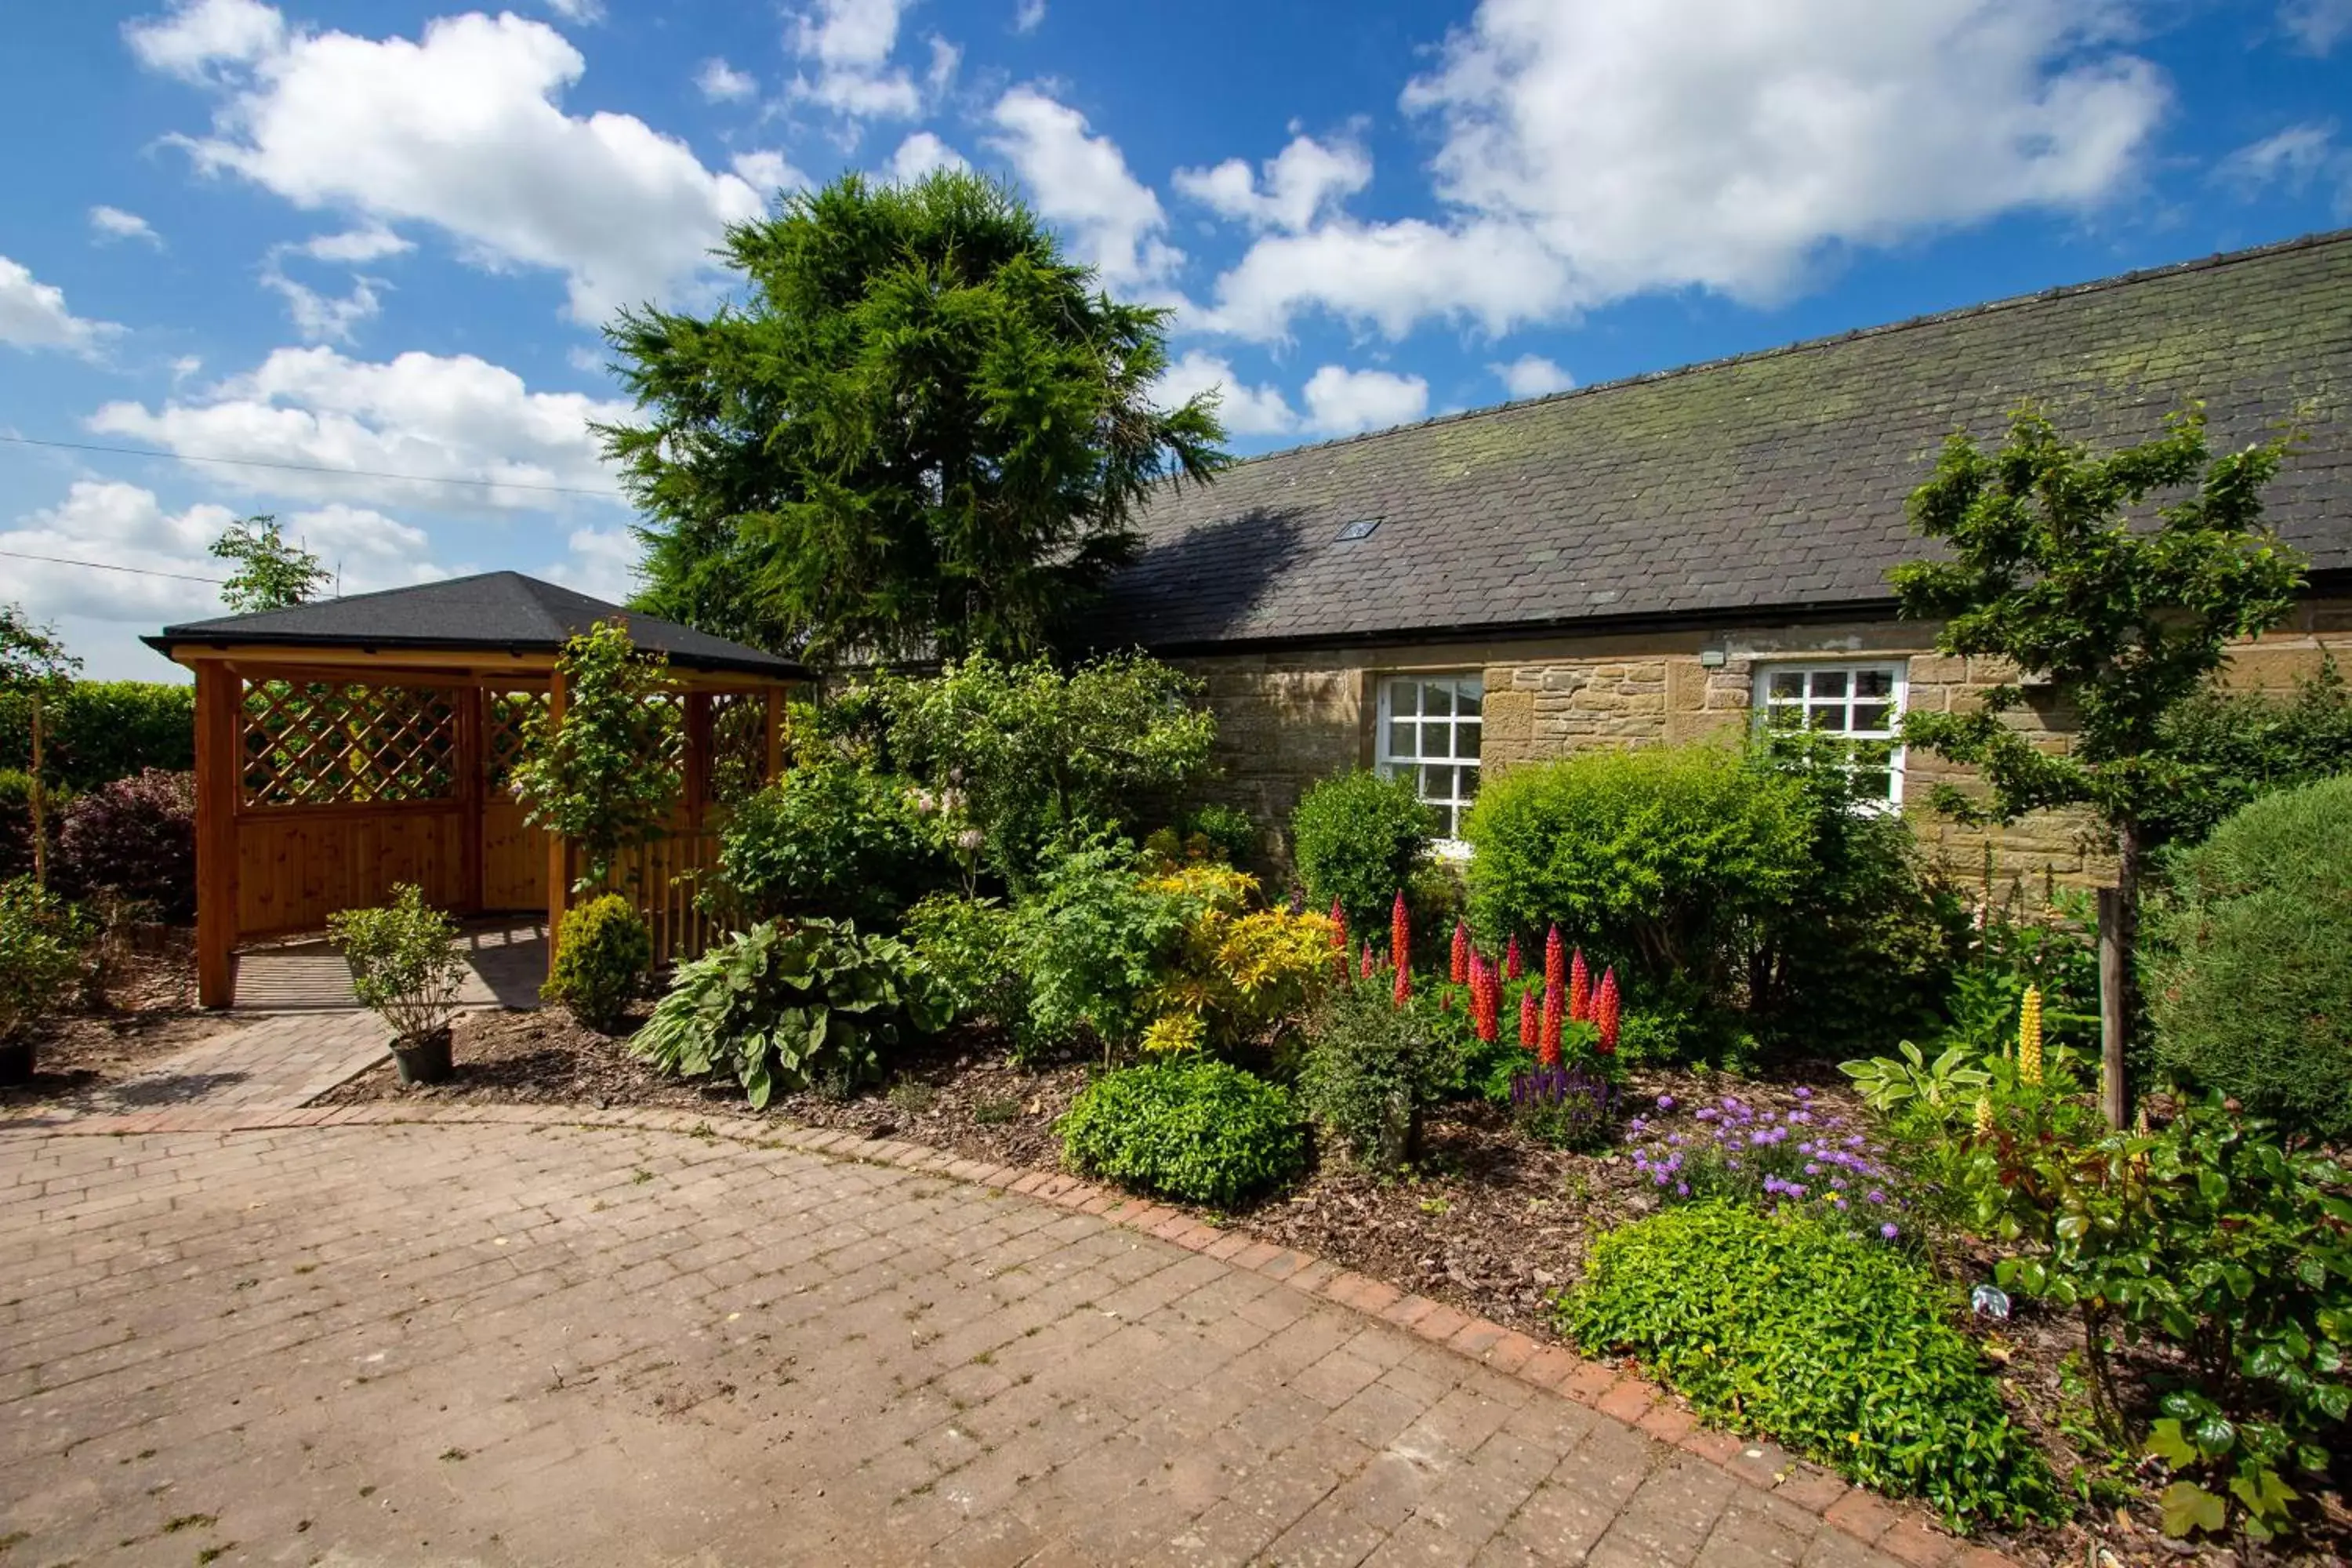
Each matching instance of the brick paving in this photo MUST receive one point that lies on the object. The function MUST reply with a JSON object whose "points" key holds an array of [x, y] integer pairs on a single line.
{"points": [[276, 1062], [513, 1337]]}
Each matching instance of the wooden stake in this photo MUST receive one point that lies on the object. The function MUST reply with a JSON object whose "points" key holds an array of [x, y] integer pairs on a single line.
{"points": [[558, 870], [2115, 1009], [40, 792]]}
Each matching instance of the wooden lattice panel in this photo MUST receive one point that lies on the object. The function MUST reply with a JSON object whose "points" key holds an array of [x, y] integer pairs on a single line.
{"points": [[505, 727], [739, 746], [313, 742]]}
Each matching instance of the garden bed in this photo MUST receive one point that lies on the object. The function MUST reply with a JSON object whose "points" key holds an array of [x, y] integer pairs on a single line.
{"points": [[149, 1014]]}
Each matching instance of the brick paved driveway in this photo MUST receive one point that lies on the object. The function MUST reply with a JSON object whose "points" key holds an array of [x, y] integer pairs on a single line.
{"points": [[493, 1343]]}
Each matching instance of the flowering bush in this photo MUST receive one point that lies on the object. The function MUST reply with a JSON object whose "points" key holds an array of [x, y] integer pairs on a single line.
{"points": [[1567, 1107], [1798, 1159], [1238, 972]]}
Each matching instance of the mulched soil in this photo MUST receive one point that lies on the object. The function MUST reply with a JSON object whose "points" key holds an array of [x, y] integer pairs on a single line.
{"points": [[1488, 1220], [145, 1011]]}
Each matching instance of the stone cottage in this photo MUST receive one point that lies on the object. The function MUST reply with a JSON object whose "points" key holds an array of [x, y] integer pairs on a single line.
{"points": [[1679, 554]]}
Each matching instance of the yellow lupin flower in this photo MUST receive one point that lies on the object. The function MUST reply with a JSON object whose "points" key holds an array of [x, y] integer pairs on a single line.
{"points": [[1984, 1115], [2029, 1037]]}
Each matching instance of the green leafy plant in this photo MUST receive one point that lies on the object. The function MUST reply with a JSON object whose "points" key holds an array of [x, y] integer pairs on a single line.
{"points": [[1031, 755], [95, 732], [2215, 1237], [42, 942], [271, 572], [1228, 832], [830, 838], [786, 1005], [2232, 747], [406, 967], [1948, 1086], [968, 948], [1357, 838], [1654, 858], [1195, 1129], [600, 961], [36, 669], [1091, 940], [133, 840], [605, 774], [1368, 1068], [2247, 963], [1565, 1108], [1838, 1349]]}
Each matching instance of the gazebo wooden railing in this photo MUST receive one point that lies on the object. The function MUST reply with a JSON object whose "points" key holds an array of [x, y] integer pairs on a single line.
{"points": [[340, 752]]}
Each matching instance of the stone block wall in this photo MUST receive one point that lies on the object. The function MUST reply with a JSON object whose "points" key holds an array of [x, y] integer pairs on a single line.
{"points": [[1287, 719]]}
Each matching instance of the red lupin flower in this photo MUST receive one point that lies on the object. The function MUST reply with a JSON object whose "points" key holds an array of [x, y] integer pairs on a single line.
{"points": [[1527, 1025], [1458, 966], [1580, 990], [1404, 993], [1604, 1011], [1339, 938], [1512, 967], [1366, 971], [1555, 1005], [1399, 934]]}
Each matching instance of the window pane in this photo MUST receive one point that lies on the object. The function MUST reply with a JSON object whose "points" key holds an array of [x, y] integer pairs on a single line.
{"points": [[1787, 683], [1466, 736], [1873, 683], [1400, 740], [1833, 719], [1469, 699], [1437, 783], [1786, 717], [1873, 786], [1436, 740], [1436, 697], [1872, 715], [1403, 696], [1469, 782], [1829, 683]]}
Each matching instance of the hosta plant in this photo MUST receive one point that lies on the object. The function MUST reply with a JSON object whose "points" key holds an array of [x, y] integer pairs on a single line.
{"points": [[787, 1005], [1948, 1086]]}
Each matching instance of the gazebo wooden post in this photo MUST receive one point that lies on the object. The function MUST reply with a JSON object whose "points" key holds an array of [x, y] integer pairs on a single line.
{"points": [[775, 734], [698, 759], [218, 698], [471, 788], [559, 872]]}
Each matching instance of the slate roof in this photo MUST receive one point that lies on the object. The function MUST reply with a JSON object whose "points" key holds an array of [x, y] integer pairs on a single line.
{"points": [[500, 612], [1772, 482]]}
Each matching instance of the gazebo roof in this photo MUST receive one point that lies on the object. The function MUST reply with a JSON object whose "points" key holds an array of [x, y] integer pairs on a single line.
{"points": [[495, 612]]}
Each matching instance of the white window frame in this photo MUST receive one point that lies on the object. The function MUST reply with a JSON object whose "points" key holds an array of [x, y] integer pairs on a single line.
{"points": [[1898, 699], [1455, 806]]}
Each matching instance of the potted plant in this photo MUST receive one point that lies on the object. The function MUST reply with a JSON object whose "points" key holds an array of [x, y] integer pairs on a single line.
{"points": [[42, 941], [406, 970]]}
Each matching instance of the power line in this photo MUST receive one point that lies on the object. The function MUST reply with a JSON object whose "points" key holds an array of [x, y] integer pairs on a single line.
{"points": [[310, 468], [109, 566]]}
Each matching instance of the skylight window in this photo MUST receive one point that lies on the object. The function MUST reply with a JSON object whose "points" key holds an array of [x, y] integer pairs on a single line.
{"points": [[1360, 529]]}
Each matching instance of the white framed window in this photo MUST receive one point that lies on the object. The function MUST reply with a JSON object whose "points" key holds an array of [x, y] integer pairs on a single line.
{"points": [[1429, 730], [1858, 702]]}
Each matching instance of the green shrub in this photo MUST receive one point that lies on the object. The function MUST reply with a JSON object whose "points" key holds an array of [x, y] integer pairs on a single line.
{"points": [[786, 1005], [1358, 839], [2247, 964], [1835, 1348], [42, 941], [17, 823], [1198, 1130], [2239, 1251], [831, 839], [405, 964], [1655, 859], [1091, 940], [2232, 747], [966, 948], [600, 961], [95, 732], [1231, 834], [1368, 1068], [134, 839]]}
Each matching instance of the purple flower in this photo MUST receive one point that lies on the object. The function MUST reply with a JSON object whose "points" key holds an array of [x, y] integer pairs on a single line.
{"points": [[1803, 1093], [1811, 1169], [1666, 1102], [1840, 1201], [1705, 1113], [1875, 1195], [1682, 1189], [1889, 1231]]}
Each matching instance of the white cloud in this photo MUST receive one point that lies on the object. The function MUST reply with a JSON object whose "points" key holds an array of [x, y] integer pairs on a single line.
{"points": [[2316, 26], [461, 129], [111, 524], [1532, 375], [199, 35], [603, 563], [429, 415], [1246, 410], [1082, 183], [922, 153], [722, 83], [581, 13], [112, 222], [1298, 184], [356, 247], [322, 318], [945, 57], [1028, 15], [1596, 149], [33, 315], [849, 43], [768, 172], [2293, 159], [1340, 402]]}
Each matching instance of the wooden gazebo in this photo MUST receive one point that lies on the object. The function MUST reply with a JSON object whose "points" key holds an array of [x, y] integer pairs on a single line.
{"points": [[348, 745]]}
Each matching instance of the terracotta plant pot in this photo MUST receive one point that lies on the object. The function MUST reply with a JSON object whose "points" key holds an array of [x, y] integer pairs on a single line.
{"points": [[16, 1062], [426, 1060]]}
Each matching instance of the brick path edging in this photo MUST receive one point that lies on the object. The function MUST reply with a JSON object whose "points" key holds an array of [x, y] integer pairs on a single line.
{"points": [[1903, 1531]]}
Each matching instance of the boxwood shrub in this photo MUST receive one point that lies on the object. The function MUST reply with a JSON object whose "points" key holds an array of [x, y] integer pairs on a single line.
{"points": [[1201, 1130], [1358, 839], [1835, 1347]]}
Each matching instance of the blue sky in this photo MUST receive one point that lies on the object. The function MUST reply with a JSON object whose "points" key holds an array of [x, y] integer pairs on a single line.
{"points": [[380, 237]]}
